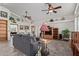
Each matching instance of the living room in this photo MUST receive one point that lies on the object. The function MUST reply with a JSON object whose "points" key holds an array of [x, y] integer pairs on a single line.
{"points": [[51, 24]]}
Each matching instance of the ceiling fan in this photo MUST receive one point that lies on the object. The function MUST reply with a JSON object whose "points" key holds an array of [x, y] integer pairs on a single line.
{"points": [[51, 8], [26, 16]]}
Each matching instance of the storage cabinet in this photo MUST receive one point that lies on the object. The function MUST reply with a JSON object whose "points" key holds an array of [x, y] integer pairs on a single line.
{"points": [[51, 34], [3, 29], [55, 33]]}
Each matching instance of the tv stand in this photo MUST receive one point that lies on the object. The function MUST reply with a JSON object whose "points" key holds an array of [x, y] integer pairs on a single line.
{"points": [[51, 34]]}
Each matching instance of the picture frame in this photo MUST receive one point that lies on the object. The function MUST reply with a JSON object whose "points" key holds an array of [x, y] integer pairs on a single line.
{"points": [[21, 27], [3, 14], [32, 28], [12, 19], [26, 27], [13, 27]]}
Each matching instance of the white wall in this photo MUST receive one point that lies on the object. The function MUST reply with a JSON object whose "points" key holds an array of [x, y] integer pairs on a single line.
{"points": [[18, 23], [76, 18], [38, 16], [39, 20], [6, 10], [24, 23], [61, 25]]}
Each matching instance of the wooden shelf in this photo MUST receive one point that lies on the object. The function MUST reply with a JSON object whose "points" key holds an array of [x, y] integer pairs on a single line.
{"points": [[54, 34]]}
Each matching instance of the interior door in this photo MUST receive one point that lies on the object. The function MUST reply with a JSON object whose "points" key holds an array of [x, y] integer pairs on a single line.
{"points": [[3, 29]]}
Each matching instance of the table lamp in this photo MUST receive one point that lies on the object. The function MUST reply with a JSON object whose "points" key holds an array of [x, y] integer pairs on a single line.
{"points": [[43, 28]]}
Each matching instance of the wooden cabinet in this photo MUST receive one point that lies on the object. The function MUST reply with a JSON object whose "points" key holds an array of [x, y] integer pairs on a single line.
{"points": [[3, 29], [55, 33], [48, 34], [75, 42], [51, 34]]}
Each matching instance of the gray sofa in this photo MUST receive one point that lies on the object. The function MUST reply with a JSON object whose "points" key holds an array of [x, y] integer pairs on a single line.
{"points": [[26, 44]]}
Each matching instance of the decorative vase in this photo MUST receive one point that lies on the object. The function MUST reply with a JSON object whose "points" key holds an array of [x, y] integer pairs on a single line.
{"points": [[44, 52]]}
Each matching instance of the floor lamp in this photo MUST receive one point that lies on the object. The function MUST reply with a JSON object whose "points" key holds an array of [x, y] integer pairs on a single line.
{"points": [[44, 50]]}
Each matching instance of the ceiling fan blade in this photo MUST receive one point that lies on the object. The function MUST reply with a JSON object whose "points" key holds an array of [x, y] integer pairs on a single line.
{"points": [[58, 7], [44, 10], [55, 11]]}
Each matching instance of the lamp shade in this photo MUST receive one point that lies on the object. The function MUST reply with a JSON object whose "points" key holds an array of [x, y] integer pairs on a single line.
{"points": [[44, 28]]}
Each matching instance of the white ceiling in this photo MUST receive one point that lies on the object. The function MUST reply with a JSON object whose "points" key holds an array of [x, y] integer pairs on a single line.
{"points": [[34, 9]]}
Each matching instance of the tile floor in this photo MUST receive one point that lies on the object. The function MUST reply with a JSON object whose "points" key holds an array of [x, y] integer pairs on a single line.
{"points": [[7, 50], [59, 48], [56, 48]]}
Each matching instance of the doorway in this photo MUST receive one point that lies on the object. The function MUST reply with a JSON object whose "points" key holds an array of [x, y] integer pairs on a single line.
{"points": [[3, 29]]}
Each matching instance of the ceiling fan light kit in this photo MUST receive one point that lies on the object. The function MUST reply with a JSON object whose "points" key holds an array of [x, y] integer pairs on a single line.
{"points": [[50, 11], [51, 8]]}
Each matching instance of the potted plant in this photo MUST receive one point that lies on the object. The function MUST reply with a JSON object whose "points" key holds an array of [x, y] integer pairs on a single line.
{"points": [[65, 34]]}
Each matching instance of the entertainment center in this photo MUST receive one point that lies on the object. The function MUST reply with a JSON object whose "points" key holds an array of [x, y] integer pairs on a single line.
{"points": [[51, 34]]}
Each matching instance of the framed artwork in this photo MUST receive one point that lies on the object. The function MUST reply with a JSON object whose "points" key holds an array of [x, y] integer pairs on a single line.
{"points": [[26, 27], [12, 19], [32, 28], [3, 14], [21, 27], [13, 27]]}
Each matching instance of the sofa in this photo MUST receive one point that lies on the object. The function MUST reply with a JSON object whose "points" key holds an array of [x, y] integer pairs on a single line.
{"points": [[26, 44]]}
